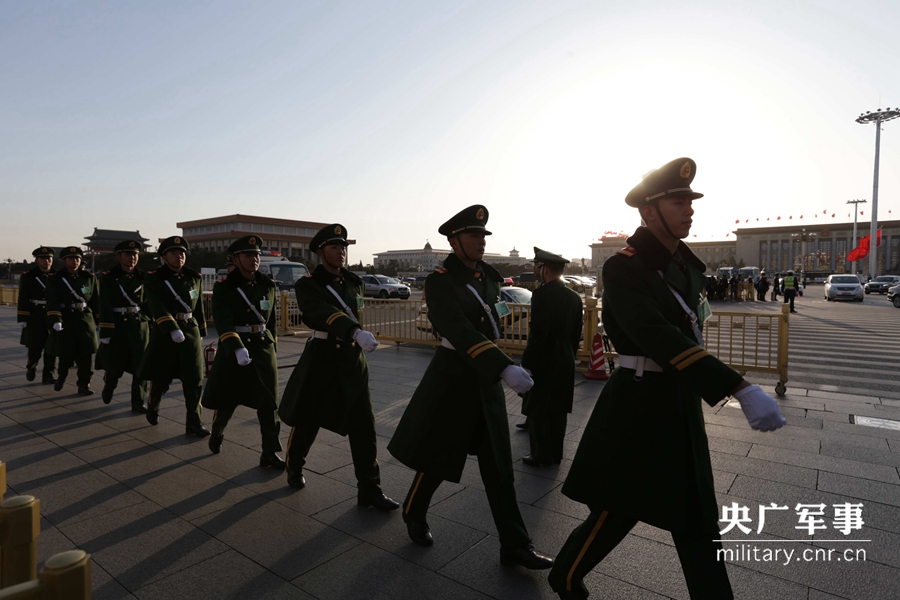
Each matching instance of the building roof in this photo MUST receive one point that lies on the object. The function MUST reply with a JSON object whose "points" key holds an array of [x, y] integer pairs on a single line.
{"points": [[249, 219], [117, 235], [812, 226]]}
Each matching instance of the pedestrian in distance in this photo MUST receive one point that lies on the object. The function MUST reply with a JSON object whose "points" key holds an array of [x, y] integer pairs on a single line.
{"points": [[762, 286], [791, 285], [776, 285], [554, 334], [73, 298], [734, 283], [330, 385], [459, 407], [31, 314], [245, 370], [644, 454], [124, 324], [174, 294]]}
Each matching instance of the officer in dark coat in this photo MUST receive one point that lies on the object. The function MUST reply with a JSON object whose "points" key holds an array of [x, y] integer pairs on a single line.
{"points": [[245, 370], [554, 334], [644, 454], [175, 296], [73, 298], [459, 407], [31, 313], [124, 324], [330, 385]]}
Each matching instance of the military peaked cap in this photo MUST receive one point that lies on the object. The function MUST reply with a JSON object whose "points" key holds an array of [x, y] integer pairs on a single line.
{"points": [[330, 234], [672, 180], [128, 246], [42, 252], [248, 243], [472, 219], [173, 243], [544, 256], [71, 251]]}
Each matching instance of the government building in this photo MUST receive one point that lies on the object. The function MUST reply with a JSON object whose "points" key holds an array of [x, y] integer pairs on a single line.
{"points": [[425, 260]]}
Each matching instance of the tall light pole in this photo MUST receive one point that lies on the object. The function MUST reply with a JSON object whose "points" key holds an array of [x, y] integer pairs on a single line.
{"points": [[855, 213], [878, 117]]}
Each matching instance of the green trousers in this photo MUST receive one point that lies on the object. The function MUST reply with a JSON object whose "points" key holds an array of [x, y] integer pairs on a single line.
{"points": [[138, 387], [34, 357], [547, 432], [269, 426], [84, 363], [192, 393]]}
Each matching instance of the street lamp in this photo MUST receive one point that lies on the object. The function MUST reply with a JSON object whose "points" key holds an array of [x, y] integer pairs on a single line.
{"points": [[878, 117], [855, 204]]}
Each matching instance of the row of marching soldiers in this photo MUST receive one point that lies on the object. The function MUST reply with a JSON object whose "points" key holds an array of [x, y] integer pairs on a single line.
{"points": [[643, 455]]}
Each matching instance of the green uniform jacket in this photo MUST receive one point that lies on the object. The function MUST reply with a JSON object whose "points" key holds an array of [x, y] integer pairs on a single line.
{"points": [[332, 373], [255, 385], [32, 307], [129, 333], [553, 338], [79, 334], [644, 451], [460, 397], [164, 359]]}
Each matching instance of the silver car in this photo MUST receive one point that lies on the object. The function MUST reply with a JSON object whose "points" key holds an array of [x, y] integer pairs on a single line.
{"points": [[843, 287]]}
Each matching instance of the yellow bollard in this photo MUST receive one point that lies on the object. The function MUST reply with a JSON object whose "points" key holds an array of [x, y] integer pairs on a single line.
{"points": [[67, 576], [20, 525], [2, 480]]}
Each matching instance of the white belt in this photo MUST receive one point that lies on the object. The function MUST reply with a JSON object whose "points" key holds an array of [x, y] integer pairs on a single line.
{"points": [[183, 316], [320, 335], [127, 309], [250, 328], [446, 344], [639, 364], [39, 302], [78, 305]]}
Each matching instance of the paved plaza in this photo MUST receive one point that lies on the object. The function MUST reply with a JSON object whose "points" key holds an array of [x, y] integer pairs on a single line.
{"points": [[164, 519]]}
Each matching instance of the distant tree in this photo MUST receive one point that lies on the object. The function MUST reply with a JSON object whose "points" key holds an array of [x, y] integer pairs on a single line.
{"points": [[741, 264]]}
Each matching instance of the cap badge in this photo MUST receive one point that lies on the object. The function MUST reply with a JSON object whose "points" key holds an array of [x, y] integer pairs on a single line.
{"points": [[685, 170], [337, 229], [480, 214], [44, 250], [177, 240], [131, 244], [73, 249], [252, 241]]}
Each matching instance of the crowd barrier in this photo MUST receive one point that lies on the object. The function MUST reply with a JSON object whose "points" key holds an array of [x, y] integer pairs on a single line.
{"points": [[9, 294], [64, 576]]}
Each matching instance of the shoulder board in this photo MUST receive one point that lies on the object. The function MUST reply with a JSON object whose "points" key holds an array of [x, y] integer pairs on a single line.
{"points": [[627, 251], [151, 272], [308, 276], [105, 273], [441, 270]]}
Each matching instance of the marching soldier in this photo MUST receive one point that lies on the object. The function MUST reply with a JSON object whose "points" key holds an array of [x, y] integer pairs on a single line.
{"points": [[32, 316], [644, 453], [553, 338], [174, 296], [459, 407], [124, 324], [73, 298], [330, 385], [245, 370]]}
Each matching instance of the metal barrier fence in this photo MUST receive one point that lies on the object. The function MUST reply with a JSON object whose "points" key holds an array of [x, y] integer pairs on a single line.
{"points": [[9, 294]]}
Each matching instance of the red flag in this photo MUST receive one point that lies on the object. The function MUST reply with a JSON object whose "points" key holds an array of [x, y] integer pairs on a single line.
{"points": [[736, 221], [746, 220], [778, 219], [824, 212], [727, 234], [832, 215], [801, 216], [791, 217], [757, 219], [861, 212], [767, 218]]}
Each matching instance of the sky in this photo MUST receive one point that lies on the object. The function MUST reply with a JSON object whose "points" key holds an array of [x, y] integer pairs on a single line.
{"points": [[390, 117]]}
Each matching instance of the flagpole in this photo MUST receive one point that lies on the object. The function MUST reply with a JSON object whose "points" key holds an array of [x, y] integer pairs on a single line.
{"points": [[878, 117], [855, 213]]}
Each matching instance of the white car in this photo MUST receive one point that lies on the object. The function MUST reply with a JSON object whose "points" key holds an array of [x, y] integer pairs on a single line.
{"points": [[380, 286], [843, 287]]}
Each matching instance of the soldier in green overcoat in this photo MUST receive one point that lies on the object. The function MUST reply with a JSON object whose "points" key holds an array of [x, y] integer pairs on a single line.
{"points": [[73, 299], [554, 334], [124, 324], [459, 408], [644, 454], [31, 314], [330, 385], [245, 370], [175, 297]]}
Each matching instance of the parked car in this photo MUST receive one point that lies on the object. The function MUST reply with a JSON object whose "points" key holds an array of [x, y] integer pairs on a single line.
{"points": [[893, 295], [381, 286], [285, 273], [843, 287], [510, 295], [881, 283]]}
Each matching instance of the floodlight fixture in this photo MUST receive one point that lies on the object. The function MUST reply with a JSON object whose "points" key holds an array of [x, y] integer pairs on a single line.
{"points": [[878, 117]]}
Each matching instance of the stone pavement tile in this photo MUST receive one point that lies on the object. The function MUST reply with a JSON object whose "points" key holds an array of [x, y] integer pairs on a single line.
{"points": [[51, 541], [143, 543], [396, 481], [369, 573], [783, 438], [882, 549], [869, 410], [826, 463], [825, 415], [851, 435], [722, 480], [167, 433], [104, 587], [862, 430], [851, 398], [84, 494], [763, 469], [131, 462], [556, 473], [736, 447], [894, 445], [226, 576], [798, 402], [750, 584], [278, 538], [864, 489], [324, 458], [875, 457], [388, 532], [556, 502], [321, 491], [818, 595], [28, 462], [87, 434], [648, 564], [233, 461], [16, 435]]}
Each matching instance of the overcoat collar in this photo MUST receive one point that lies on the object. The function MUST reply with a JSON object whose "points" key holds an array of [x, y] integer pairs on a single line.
{"points": [[36, 272], [463, 274], [117, 272], [165, 272], [324, 277], [657, 257], [235, 279]]}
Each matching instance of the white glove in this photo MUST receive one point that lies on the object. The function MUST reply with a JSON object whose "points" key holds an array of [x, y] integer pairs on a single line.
{"points": [[365, 340], [177, 336], [57, 326], [105, 340], [760, 409], [23, 324], [517, 378], [243, 357]]}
